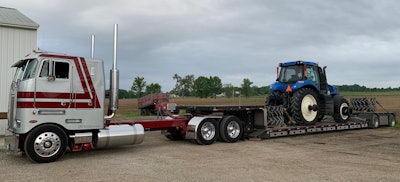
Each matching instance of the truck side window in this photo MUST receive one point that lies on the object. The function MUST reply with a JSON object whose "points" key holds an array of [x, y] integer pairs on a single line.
{"points": [[61, 70], [44, 72]]}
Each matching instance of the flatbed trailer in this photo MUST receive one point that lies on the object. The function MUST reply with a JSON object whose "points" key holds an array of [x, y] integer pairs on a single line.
{"points": [[206, 124]]}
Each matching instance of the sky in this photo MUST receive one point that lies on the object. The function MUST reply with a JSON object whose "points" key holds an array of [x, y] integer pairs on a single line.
{"points": [[358, 40]]}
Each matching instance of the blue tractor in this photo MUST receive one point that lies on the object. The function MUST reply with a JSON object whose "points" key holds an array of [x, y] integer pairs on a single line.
{"points": [[301, 87]]}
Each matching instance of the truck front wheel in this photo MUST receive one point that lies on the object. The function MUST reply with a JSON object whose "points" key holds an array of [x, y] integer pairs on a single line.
{"points": [[45, 143], [230, 129]]}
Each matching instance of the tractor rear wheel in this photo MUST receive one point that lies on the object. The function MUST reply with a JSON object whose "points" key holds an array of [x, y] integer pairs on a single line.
{"points": [[341, 110], [304, 107], [274, 99]]}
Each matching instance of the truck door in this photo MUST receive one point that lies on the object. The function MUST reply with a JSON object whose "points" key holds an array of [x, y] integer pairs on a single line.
{"points": [[53, 86]]}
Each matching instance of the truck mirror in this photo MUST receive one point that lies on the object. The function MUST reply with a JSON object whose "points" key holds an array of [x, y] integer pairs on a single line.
{"points": [[51, 71]]}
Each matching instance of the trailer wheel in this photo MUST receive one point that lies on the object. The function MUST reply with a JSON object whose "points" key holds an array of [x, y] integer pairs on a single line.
{"points": [[45, 143], [392, 121], [207, 132], [374, 123], [230, 129], [304, 107], [341, 110]]}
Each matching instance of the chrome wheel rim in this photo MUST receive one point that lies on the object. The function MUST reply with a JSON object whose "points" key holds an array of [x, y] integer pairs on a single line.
{"points": [[208, 131], [233, 129], [47, 144]]}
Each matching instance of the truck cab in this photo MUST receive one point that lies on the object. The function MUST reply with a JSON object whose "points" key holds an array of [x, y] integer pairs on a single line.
{"points": [[47, 85]]}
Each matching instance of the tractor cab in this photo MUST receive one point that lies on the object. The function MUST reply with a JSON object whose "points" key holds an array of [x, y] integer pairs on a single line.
{"points": [[294, 75]]}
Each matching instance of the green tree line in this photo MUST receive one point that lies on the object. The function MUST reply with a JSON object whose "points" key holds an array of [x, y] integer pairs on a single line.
{"points": [[190, 86], [212, 86]]}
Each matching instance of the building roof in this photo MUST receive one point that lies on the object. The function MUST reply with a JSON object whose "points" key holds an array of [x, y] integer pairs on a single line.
{"points": [[10, 17]]}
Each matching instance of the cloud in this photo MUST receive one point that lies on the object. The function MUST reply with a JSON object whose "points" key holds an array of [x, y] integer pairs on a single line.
{"points": [[233, 39]]}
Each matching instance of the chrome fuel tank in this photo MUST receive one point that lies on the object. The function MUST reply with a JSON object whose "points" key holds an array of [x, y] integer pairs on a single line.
{"points": [[118, 135]]}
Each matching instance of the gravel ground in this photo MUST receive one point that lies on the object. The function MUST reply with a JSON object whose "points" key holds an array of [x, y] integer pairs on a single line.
{"points": [[356, 155]]}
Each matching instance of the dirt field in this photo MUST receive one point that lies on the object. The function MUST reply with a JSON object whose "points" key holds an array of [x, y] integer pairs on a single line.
{"points": [[357, 155]]}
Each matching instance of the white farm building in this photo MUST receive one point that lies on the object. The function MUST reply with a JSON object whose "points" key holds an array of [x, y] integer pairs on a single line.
{"points": [[18, 35]]}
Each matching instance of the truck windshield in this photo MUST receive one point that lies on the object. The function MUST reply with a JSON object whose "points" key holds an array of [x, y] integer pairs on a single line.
{"points": [[291, 74], [25, 69]]}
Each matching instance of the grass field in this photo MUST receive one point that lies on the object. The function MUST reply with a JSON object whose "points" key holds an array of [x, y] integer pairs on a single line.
{"points": [[389, 100]]}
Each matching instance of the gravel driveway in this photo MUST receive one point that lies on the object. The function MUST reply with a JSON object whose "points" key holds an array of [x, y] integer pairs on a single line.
{"points": [[356, 155]]}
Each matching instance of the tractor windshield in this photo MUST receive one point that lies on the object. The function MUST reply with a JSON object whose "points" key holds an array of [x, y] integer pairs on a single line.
{"points": [[291, 74]]}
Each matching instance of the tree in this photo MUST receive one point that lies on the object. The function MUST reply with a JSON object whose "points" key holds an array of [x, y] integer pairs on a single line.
{"points": [[215, 86], [229, 90], [246, 87], [138, 86], [183, 86], [202, 87], [153, 88]]}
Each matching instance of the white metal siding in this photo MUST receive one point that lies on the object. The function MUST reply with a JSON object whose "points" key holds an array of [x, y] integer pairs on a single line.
{"points": [[15, 43]]}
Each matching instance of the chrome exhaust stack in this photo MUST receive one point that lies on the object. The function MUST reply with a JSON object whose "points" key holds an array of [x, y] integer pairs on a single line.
{"points": [[114, 80]]}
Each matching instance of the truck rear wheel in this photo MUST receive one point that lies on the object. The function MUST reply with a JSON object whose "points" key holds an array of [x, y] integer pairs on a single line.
{"points": [[45, 143], [304, 107], [392, 121], [341, 110], [230, 129], [144, 112], [374, 123], [207, 132]]}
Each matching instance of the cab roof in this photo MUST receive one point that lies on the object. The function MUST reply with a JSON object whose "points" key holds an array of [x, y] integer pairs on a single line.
{"points": [[292, 63]]}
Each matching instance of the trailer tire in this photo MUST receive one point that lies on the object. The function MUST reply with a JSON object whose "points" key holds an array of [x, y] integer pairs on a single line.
{"points": [[341, 112], [392, 121], [230, 129], [46, 143], [374, 123], [304, 107], [207, 132]]}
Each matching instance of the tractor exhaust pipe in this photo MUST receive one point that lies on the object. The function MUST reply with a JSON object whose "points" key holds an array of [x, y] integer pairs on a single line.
{"points": [[114, 80]]}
